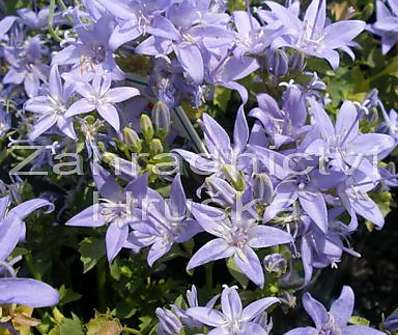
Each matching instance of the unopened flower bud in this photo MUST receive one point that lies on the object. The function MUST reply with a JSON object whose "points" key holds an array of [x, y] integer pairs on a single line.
{"points": [[147, 127], [161, 118], [277, 62], [169, 322], [156, 146], [262, 188], [109, 157], [297, 61], [275, 263], [132, 139]]}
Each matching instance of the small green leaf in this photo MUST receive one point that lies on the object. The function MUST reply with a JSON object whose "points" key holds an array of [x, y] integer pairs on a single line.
{"points": [[67, 295], [71, 326], [358, 321], [236, 5], [237, 273], [91, 251]]}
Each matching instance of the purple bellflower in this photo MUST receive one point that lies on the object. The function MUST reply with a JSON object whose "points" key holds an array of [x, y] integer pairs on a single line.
{"points": [[14, 290], [186, 32], [319, 249], [294, 185], [251, 37], [390, 124], [391, 322], [91, 53], [353, 194], [166, 222], [237, 236], [284, 125], [5, 25], [234, 319], [386, 25], [101, 97], [171, 322], [192, 299], [51, 109], [335, 321], [343, 145], [134, 18], [26, 65], [222, 158], [34, 20], [116, 208], [12, 225], [313, 36]]}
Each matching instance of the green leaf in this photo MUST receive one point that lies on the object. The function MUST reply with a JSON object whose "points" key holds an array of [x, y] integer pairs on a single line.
{"points": [[71, 326], [67, 295], [103, 325], [146, 324], [236, 5], [358, 321], [91, 251], [237, 273], [221, 97]]}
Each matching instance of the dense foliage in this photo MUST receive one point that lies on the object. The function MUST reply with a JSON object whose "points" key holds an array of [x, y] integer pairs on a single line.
{"points": [[181, 167]]}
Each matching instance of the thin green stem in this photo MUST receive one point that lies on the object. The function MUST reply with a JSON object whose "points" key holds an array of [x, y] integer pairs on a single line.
{"points": [[62, 5], [131, 331], [51, 30], [189, 129]]}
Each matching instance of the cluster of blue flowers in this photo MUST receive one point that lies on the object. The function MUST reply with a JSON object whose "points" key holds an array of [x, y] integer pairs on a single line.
{"points": [[293, 179]]}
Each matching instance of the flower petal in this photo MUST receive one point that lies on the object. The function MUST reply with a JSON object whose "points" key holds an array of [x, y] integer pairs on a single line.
{"points": [[29, 292], [191, 61], [110, 115], [314, 205], [212, 251], [90, 217], [116, 236], [315, 310], [120, 94], [231, 303], [247, 261], [258, 307], [343, 307], [207, 316], [241, 131], [44, 124], [264, 236], [79, 107]]}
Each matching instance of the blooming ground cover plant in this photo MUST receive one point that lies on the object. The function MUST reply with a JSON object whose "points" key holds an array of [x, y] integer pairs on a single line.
{"points": [[190, 167]]}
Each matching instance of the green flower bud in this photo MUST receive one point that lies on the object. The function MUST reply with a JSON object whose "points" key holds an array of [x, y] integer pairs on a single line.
{"points": [[156, 147], [108, 158], [132, 139], [147, 127], [161, 118]]}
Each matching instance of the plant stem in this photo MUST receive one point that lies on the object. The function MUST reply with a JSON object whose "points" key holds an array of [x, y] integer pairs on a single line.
{"points": [[131, 330], [51, 22], [62, 5]]}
